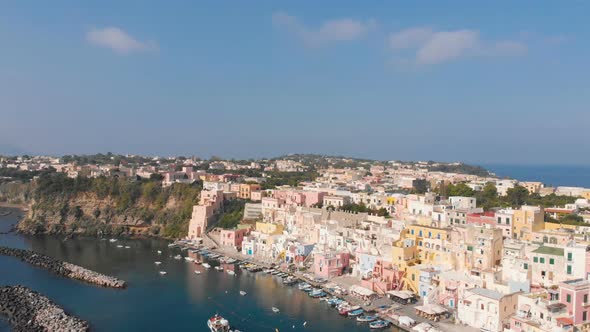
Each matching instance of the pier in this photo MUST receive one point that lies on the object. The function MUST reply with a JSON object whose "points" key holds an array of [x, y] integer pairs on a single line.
{"points": [[64, 269], [27, 310]]}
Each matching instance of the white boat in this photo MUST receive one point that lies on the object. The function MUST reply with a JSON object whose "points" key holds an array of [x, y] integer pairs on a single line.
{"points": [[113, 240], [230, 272], [163, 272], [178, 257], [242, 293], [157, 263], [197, 272], [275, 310], [127, 247], [218, 324], [119, 246], [206, 265], [188, 259], [219, 268], [159, 252]]}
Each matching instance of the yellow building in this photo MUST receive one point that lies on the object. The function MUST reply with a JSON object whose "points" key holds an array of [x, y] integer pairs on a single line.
{"points": [[269, 228], [526, 220], [246, 190]]}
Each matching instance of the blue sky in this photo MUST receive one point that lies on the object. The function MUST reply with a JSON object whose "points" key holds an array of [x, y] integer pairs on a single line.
{"points": [[484, 82]]}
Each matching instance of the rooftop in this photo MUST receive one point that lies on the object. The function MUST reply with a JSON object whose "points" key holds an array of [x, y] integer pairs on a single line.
{"points": [[492, 294], [549, 251]]}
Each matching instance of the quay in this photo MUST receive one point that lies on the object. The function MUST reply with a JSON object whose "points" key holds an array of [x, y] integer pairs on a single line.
{"points": [[27, 310], [64, 269]]}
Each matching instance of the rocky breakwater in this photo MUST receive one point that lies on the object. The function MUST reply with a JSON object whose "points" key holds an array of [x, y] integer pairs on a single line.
{"points": [[27, 310], [65, 269]]}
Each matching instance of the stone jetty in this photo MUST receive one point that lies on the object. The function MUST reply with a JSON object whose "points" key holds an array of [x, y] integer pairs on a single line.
{"points": [[64, 269], [27, 310]]}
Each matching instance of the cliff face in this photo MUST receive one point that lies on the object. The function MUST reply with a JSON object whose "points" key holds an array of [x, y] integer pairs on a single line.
{"points": [[122, 207]]}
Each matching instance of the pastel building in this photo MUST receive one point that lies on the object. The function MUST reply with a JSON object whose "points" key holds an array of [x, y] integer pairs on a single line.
{"points": [[233, 238], [487, 309], [575, 294], [330, 265], [203, 213], [527, 219]]}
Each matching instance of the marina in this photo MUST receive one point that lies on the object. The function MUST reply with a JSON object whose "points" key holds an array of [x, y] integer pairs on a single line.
{"points": [[187, 301]]}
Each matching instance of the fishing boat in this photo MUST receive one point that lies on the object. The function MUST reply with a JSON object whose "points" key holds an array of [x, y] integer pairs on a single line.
{"points": [[355, 313], [178, 257], [113, 240], [219, 268], [163, 273], [188, 259], [243, 293], [345, 309], [366, 318], [218, 324], [198, 262], [379, 324], [206, 265], [197, 272], [303, 285], [275, 310], [157, 263], [230, 272]]}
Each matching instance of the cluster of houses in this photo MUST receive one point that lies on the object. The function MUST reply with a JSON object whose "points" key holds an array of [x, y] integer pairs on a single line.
{"points": [[506, 269]]}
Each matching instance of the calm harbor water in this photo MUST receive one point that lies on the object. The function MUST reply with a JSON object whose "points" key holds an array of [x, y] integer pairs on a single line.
{"points": [[178, 301]]}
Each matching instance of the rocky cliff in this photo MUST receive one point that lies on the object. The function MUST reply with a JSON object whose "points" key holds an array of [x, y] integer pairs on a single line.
{"points": [[106, 207]]}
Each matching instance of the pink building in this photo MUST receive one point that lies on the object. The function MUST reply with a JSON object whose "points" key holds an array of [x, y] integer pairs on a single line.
{"points": [[210, 203], [575, 294], [330, 265], [233, 237], [384, 277]]}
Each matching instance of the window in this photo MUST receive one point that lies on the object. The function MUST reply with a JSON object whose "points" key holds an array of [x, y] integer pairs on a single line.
{"points": [[526, 266], [551, 261], [569, 256], [535, 259], [568, 298], [542, 260], [412, 231], [584, 315], [569, 269], [585, 298], [499, 220]]}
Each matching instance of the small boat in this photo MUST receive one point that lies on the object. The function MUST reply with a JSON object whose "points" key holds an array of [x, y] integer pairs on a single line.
{"points": [[188, 259], [355, 313], [366, 318], [197, 272], [207, 266], [379, 324], [159, 252], [230, 272], [275, 310], [178, 257], [218, 324], [119, 246], [157, 263], [163, 273], [219, 268], [127, 247], [198, 262], [242, 293], [113, 240]]}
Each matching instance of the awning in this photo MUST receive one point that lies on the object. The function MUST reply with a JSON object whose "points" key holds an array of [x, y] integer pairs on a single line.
{"points": [[564, 321], [361, 290]]}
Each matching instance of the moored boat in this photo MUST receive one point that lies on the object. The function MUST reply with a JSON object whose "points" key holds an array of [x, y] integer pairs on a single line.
{"points": [[163, 273], [379, 324], [243, 293], [366, 318], [197, 272], [206, 265], [275, 309], [230, 272], [355, 313], [157, 263]]}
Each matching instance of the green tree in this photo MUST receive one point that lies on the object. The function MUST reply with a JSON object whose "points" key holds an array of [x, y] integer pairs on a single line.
{"points": [[517, 196]]}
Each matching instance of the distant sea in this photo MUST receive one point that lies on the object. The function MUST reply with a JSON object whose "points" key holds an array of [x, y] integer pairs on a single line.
{"points": [[550, 175]]}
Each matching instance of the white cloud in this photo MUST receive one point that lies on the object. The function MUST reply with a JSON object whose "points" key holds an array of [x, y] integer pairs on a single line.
{"points": [[118, 40], [331, 31], [431, 47]]}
